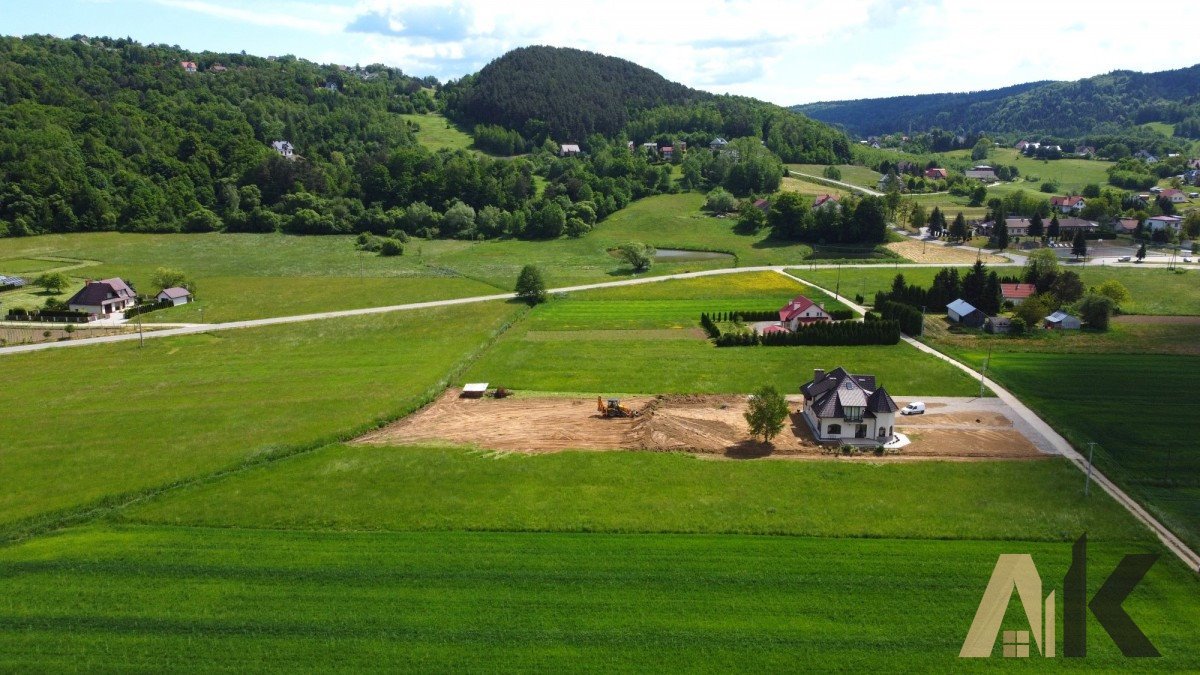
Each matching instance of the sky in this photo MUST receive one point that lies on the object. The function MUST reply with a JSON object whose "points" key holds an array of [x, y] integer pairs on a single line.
{"points": [[786, 52]]}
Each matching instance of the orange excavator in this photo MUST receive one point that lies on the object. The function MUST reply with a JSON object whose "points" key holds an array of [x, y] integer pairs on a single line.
{"points": [[613, 408]]}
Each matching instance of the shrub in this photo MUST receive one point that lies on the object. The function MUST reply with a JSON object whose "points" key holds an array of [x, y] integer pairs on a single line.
{"points": [[391, 247], [908, 317]]}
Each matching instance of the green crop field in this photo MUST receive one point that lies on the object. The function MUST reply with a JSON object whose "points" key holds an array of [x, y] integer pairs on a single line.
{"points": [[167, 599], [437, 133], [636, 365], [125, 420], [851, 173], [1111, 399]]}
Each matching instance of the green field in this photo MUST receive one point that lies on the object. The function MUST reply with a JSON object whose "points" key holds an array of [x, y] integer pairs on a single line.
{"points": [[438, 133], [1108, 399], [851, 173], [126, 420], [167, 599], [639, 365], [246, 276], [1154, 291]]}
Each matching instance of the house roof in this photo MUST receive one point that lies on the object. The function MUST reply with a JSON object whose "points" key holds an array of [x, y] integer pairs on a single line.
{"points": [[1166, 219], [175, 292], [797, 306], [1128, 224], [823, 199], [1058, 316], [570, 147], [774, 329], [762, 204], [1068, 201], [935, 171], [96, 292], [838, 390], [961, 307], [1170, 193], [999, 320], [1017, 291]]}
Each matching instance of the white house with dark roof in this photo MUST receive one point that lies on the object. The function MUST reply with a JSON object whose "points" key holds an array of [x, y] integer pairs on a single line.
{"points": [[568, 149], [103, 297], [844, 408]]}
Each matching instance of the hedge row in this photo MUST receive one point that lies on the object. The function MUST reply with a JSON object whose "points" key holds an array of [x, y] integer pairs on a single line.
{"points": [[819, 334], [709, 326], [48, 315], [147, 307], [773, 315], [909, 317]]}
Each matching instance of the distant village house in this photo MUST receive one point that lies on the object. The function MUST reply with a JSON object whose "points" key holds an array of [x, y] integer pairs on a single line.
{"points": [[568, 150], [284, 148], [176, 296], [188, 66]]}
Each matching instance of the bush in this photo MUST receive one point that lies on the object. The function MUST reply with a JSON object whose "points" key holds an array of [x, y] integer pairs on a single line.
{"points": [[391, 247], [709, 326], [908, 317]]}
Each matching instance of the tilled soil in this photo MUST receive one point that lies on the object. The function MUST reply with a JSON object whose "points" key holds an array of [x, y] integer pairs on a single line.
{"points": [[699, 424]]}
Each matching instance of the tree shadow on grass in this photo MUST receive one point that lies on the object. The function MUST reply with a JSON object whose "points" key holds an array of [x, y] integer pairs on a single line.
{"points": [[750, 449]]}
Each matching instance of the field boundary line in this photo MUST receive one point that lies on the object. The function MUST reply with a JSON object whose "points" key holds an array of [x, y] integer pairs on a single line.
{"points": [[28, 528], [1168, 538]]}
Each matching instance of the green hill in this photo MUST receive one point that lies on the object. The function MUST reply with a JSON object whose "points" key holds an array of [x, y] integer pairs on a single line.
{"points": [[1119, 99]]}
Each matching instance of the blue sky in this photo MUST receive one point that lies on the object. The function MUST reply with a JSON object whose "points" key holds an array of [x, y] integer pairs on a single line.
{"points": [[780, 51]]}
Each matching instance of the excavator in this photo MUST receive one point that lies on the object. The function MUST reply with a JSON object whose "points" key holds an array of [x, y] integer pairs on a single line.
{"points": [[613, 408]]}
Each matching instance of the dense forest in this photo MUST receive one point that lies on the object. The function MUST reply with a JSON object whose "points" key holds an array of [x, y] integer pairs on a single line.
{"points": [[1062, 109], [109, 134], [568, 95]]}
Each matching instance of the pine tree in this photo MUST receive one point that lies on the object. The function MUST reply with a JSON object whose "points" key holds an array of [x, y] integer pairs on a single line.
{"points": [[958, 229], [1079, 246], [1036, 228], [1055, 231]]}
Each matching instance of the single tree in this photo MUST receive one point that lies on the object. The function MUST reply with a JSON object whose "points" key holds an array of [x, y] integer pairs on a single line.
{"points": [[1035, 308], [1041, 268], [1067, 287], [1115, 291], [937, 223], [166, 277], [1000, 234], [530, 286], [1141, 252], [768, 410], [1079, 246], [720, 200], [1095, 311], [958, 229], [1055, 230], [391, 247], [917, 218], [1036, 229], [640, 256], [832, 173], [53, 282]]}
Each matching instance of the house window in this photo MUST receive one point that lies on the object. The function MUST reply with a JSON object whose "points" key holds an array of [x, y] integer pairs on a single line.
{"points": [[853, 413], [834, 429], [1016, 644]]}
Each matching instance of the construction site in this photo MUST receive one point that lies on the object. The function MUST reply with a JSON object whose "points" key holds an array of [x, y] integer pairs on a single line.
{"points": [[710, 425]]}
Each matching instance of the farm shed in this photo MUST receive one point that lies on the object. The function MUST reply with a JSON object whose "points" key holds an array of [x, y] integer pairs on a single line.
{"points": [[474, 389], [176, 296], [961, 311], [1060, 320]]}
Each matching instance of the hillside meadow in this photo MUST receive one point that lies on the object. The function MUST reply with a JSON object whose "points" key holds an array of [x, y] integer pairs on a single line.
{"points": [[123, 420]]}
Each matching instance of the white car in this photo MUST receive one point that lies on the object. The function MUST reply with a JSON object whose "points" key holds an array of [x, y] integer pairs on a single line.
{"points": [[914, 408]]}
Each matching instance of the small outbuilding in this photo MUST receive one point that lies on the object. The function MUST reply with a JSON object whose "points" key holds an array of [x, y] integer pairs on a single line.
{"points": [[176, 296], [961, 311], [1060, 320], [997, 324], [474, 390]]}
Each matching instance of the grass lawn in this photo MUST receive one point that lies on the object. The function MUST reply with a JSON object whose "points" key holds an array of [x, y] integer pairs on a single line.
{"points": [[639, 365], [167, 599], [1110, 399], [437, 133], [88, 424], [804, 187], [851, 173]]}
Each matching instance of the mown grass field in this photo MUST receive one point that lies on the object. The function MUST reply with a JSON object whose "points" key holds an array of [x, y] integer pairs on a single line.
{"points": [[1136, 407], [177, 598], [1154, 291], [435, 132], [86, 424], [637, 365], [851, 173]]}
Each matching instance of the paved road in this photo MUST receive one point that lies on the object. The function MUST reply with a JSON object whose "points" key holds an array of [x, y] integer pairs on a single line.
{"points": [[848, 186], [1059, 444]]}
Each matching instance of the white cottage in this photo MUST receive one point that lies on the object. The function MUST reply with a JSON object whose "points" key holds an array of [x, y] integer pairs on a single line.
{"points": [[844, 408], [176, 296]]}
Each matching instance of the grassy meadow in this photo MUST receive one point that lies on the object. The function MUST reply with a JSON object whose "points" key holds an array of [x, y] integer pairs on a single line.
{"points": [[851, 173], [579, 360], [436, 132], [124, 420]]}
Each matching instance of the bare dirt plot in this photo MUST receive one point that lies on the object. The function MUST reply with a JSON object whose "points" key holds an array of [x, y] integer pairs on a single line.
{"points": [[712, 425], [938, 252]]}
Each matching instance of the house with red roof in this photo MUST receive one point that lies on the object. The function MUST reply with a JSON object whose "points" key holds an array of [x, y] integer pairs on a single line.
{"points": [[188, 66], [801, 311], [1068, 204], [1176, 196], [1016, 293], [826, 201], [937, 173]]}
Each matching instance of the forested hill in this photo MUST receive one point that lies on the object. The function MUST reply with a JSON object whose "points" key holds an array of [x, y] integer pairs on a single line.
{"points": [[571, 92], [566, 95], [99, 133], [1062, 109]]}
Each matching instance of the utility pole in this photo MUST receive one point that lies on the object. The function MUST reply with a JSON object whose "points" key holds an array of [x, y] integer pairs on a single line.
{"points": [[141, 333], [922, 333], [838, 290], [1088, 481], [986, 363]]}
